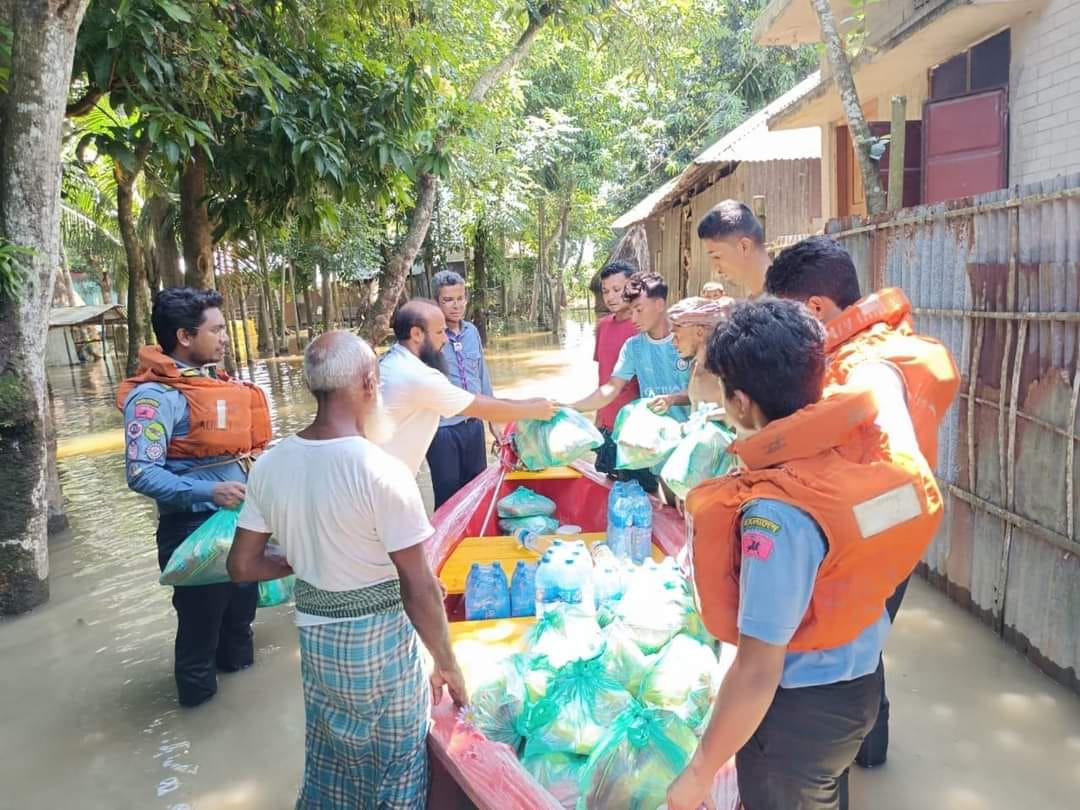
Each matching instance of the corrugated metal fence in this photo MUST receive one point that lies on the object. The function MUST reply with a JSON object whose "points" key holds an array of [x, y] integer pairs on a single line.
{"points": [[997, 279]]}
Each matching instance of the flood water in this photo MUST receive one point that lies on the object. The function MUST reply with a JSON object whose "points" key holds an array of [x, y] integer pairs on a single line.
{"points": [[89, 713]]}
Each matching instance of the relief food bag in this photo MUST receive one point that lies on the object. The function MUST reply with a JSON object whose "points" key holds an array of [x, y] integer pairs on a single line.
{"points": [[701, 455], [582, 702], [643, 439], [656, 606], [523, 502], [563, 439], [623, 659], [683, 680], [276, 591], [636, 761], [498, 704], [559, 774], [564, 634], [541, 524], [200, 559]]}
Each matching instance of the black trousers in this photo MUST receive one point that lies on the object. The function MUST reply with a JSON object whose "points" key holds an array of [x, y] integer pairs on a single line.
{"points": [[875, 747], [457, 454], [213, 622], [605, 463], [799, 756]]}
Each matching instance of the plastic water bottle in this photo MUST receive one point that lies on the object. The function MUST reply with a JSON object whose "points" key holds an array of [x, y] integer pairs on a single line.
{"points": [[641, 532], [607, 576], [569, 582], [527, 538], [487, 593], [618, 521], [544, 584], [523, 589], [583, 564]]}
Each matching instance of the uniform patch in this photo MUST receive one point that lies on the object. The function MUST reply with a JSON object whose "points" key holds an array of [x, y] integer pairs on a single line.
{"points": [[134, 430], [154, 432], [764, 524], [145, 411], [887, 510], [154, 452], [133, 449], [757, 545]]}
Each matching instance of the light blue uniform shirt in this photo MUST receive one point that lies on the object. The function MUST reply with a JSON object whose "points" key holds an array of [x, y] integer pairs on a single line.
{"points": [[782, 551], [153, 414], [657, 367], [465, 365]]}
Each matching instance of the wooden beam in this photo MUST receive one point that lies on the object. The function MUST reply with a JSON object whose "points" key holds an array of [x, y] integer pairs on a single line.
{"points": [[897, 148]]}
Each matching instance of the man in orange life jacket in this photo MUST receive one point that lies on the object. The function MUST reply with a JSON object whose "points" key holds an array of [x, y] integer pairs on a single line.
{"points": [[793, 558], [188, 428], [871, 344]]}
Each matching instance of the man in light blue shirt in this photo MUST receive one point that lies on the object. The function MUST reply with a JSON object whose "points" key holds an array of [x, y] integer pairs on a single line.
{"points": [[172, 461], [458, 453]]}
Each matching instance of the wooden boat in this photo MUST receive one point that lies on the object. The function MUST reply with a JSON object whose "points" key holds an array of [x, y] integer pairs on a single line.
{"points": [[468, 770]]}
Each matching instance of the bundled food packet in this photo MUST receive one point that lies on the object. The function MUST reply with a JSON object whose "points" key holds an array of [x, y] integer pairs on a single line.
{"points": [[581, 703], [498, 704], [701, 455], [200, 559], [523, 502], [559, 774], [633, 766], [643, 439], [683, 680], [623, 659], [564, 634], [563, 439]]}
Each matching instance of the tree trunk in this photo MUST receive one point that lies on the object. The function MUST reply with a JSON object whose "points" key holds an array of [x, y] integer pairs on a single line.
{"points": [[43, 44], [138, 297], [279, 315], [264, 323], [195, 224], [249, 358], [58, 519], [393, 281], [557, 282], [849, 98], [479, 285], [534, 300], [164, 265], [230, 326], [309, 311], [327, 301], [296, 305]]}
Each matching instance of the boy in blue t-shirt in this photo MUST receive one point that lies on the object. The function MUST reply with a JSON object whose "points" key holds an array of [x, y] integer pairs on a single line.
{"points": [[649, 356]]}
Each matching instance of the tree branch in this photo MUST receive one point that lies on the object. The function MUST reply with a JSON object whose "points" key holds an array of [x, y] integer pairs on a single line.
{"points": [[84, 104]]}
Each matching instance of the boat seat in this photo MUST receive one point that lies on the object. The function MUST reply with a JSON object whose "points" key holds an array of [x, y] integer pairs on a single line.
{"points": [[550, 474]]}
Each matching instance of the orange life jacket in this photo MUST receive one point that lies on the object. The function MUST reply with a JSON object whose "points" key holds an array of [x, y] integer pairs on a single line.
{"points": [[877, 509], [227, 417], [878, 329]]}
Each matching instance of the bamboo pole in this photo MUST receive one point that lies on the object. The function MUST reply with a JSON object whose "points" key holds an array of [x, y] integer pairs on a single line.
{"points": [[897, 146]]}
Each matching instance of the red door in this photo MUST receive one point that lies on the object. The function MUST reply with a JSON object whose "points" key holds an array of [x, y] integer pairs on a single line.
{"points": [[965, 146]]}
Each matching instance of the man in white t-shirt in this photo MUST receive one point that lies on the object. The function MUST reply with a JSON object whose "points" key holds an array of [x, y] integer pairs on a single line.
{"points": [[351, 525], [417, 391]]}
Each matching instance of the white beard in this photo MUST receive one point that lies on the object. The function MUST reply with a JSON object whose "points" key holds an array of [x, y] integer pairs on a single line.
{"points": [[378, 425]]}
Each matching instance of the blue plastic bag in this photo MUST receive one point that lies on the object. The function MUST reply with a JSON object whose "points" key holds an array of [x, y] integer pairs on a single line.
{"points": [[523, 502], [200, 559]]}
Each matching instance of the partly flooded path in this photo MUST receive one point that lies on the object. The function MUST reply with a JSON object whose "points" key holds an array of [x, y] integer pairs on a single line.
{"points": [[89, 713]]}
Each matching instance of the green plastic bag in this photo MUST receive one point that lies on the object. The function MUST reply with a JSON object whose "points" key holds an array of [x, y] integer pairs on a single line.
{"points": [[635, 763], [623, 659], [563, 635], [200, 559], [276, 591], [559, 774], [541, 524], [643, 439], [656, 606], [523, 502], [497, 705], [563, 439], [683, 680], [701, 455], [581, 703]]}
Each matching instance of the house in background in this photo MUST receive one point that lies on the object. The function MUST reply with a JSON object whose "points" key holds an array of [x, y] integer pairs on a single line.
{"points": [[992, 87], [752, 160]]}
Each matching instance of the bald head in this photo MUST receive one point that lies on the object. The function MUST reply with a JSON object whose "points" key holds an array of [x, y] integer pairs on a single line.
{"points": [[417, 313], [337, 360]]}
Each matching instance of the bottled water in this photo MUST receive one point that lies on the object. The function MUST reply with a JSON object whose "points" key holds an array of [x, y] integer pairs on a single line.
{"points": [[545, 585], [523, 589], [527, 538], [607, 576], [618, 520], [487, 593], [641, 529]]}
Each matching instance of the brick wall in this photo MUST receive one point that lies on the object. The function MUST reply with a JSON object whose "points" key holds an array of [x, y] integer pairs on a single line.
{"points": [[1044, 105]]}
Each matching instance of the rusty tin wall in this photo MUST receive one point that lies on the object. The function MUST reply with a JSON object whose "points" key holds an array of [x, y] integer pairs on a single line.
{"points": [[995, 278]]}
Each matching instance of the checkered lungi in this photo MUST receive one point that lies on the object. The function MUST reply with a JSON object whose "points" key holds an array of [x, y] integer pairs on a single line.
{"points": [[367, 701]]}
